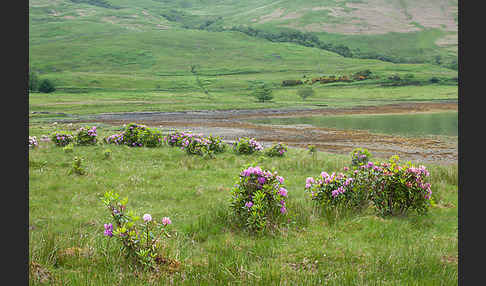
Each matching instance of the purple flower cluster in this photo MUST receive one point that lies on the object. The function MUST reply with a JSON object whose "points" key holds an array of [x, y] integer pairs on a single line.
{"points": [[255, 144], [115, 139], [86, 136], [328, 186], [61, 139], [278, 150], [108, 230], [179, 138]]}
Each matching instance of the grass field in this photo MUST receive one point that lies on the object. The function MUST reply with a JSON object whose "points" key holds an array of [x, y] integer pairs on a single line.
{"points": [[124, 56], [66, 217]]}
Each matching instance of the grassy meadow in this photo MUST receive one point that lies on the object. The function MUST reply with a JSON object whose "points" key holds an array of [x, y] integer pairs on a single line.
{"points": [[66, 218], [125, 56]]}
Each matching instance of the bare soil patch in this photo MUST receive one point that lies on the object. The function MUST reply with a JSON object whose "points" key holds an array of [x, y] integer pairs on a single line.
{"points": [[232, 124], [382, 16]]}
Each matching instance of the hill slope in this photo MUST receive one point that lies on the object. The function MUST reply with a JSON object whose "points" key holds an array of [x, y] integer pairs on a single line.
{"points": [[78, 41]]}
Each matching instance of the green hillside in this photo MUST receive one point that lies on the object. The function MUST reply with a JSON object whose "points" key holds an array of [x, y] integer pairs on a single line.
{"points": [[98, 43]]}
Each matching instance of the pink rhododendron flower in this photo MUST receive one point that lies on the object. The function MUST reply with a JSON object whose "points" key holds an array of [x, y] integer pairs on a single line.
{"points": [[166, 221], [147, 217]]}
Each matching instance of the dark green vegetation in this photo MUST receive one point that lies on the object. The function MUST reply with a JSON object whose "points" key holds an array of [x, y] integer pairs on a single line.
{"points": [[66, 218]]}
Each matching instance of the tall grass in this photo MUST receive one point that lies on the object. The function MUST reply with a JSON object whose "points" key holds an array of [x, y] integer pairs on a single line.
{"points": [[66, 219]]}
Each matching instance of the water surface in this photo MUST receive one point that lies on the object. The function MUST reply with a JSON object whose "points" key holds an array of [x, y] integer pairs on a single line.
{"points": [[412, 124]]}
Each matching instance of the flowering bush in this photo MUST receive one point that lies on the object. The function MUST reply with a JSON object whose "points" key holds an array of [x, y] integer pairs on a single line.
{"points": [[258, 198], [397, 189], [86, 136], [247, 145], [175, 138], [140, 241], [136, 135], [62, 139], [335, 190], [195, 145], [277, 150], [359, 157], [391, 188], [216, 144], [33, 142], [114, 139]]}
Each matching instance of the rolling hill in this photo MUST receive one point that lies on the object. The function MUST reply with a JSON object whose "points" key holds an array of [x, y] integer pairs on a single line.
{"points": [[148, 43]]}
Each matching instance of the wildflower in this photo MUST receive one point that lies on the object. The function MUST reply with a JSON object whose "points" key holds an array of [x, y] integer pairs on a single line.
{"points": [[283, 192], [309, 180], [108, 230], [280, 179], [166, 221], [249, 204], [147, 217], [261, 180], [335, 193], [283, 209]]}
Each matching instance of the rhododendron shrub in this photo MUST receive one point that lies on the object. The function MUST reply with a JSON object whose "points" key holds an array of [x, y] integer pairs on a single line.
{"points": [[397, 189], [175, 138], [136, 135], [391, 188], [258, 199], [336, 191], [196, 144], [62, 139], [216, 144], [360, 156], [86, 136], [246, 145], [277, 150], [140, 241]]}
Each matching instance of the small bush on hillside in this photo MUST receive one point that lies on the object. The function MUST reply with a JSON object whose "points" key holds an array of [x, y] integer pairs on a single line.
{"points": [[86, 136], [69, 148], [136, 135], [396, 189], [142, 241], [246, 145], [62, 139], [216, 144], [258, 198], [176, 138], [262, 92], [77, 167], [46, 86], [336, 191], [291, 82], [391, 188], [107, 154], [305, 92], [360, 156], [277, 150], [196, 145]]}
